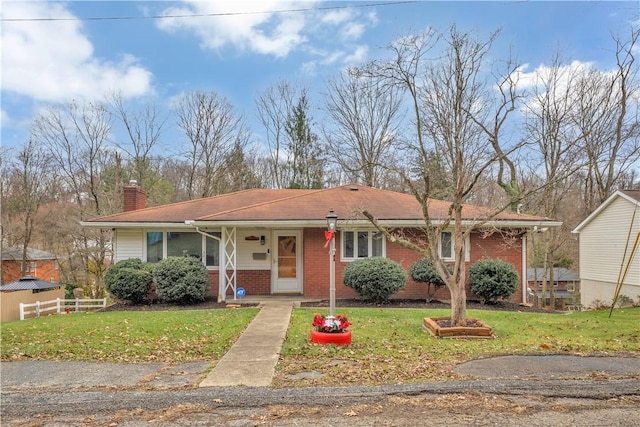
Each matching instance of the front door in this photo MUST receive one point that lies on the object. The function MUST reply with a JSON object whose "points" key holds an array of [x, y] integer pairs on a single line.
{"points": [[287, 262]]}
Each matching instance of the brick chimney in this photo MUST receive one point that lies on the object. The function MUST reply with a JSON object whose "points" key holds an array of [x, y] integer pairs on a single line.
{"points": [[134, 197]]}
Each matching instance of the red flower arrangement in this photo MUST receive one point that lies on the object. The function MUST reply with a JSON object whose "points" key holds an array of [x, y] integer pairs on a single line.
{"points": [[338, 324]]}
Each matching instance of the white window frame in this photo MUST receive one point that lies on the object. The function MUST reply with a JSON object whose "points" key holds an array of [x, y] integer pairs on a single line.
{"points": [[355, 231], [467, 247], [203, 254]]}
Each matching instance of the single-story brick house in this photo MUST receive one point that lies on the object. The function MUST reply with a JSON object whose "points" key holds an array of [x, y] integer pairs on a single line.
{"points": [[272, 241]]}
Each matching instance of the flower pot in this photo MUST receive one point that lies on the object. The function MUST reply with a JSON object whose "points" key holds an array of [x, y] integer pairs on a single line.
{"points": [[331, 337]]}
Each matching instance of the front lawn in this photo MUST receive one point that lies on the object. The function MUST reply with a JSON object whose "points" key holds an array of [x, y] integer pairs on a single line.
{"points": [[126, 336], [389, 345]]}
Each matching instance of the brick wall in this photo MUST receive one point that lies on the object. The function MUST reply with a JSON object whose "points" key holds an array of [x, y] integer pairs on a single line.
{"points": [[46, 270], [316, 268], [316, 265], [254, 282]]}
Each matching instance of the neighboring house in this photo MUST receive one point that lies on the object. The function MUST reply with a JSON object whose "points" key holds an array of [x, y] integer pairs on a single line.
{"points": [[272, 241], [607, 239], [40, 264], [566, 285]]}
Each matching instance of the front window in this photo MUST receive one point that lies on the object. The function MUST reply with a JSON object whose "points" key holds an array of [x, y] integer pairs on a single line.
{"points": [[358, 244], [163, 244], [446, 246]]}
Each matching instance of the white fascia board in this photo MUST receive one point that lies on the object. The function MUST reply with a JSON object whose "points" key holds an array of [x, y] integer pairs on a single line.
{"points": [[134, 224]]}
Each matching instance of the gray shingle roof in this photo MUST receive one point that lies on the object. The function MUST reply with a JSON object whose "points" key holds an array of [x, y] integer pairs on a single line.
{"points": [[28, 282], [15, 254]]}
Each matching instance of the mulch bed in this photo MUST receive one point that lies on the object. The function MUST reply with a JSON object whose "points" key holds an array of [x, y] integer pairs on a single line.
{"points": [[409, 303]]}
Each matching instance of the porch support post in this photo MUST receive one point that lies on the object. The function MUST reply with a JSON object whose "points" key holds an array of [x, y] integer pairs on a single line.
{"points": [[228, 263]]}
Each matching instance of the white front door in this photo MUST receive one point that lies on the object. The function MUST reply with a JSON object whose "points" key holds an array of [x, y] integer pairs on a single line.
{"points": [[287, 262]]}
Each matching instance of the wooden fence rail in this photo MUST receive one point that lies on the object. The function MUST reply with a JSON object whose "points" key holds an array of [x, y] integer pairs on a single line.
{"points": [[59, 305]]}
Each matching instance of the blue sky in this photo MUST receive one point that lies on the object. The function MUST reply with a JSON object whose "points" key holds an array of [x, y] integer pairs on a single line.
{"points": [[242, 54]]}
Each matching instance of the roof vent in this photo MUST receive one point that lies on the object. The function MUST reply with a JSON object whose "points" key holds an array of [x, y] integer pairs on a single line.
{"points": [[353, 188], [133, 182]]}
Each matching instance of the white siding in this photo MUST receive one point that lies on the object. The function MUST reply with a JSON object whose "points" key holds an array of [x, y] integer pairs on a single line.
{"points": [[602, 248], [246, 249], [128, 244]]}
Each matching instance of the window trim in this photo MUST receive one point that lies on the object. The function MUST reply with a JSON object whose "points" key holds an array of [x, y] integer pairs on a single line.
{"points": [[203, 251], [371, 232]]}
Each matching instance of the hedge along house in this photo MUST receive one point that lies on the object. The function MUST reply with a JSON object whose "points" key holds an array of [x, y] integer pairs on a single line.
{"points": [[272, 241]]}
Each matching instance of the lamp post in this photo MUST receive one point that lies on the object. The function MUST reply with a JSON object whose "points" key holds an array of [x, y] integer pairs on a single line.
{"points": [[332, 220]]}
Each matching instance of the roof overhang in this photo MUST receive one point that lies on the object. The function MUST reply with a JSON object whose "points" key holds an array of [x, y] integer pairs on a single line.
{"points": [[319, 223]]}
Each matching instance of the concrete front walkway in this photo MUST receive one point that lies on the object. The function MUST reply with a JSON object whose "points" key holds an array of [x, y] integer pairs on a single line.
{"points": [[251, 361]]}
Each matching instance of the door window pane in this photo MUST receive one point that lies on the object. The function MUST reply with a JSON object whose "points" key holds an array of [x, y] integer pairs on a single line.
{"points": [[287, 257]]}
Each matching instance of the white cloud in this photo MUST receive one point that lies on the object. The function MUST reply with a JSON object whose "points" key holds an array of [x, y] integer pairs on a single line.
{"points": [[248, 25], [254, 27], [55, 61]]}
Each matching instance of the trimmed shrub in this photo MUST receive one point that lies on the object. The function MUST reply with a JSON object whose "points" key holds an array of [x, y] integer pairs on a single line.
{"points": [[129, 279], [492, 279], [375, 279], [182, 280], [423, 271]]}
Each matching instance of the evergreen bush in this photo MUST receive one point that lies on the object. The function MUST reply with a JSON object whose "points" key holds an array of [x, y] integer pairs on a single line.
{"points": [[129, 280], [375, 279], [423, 271], [182, 280], [492, 279]]}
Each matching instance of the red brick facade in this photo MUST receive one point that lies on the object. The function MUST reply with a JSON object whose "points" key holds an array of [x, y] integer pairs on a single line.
{"points": [[46, 270], [316, 267]]}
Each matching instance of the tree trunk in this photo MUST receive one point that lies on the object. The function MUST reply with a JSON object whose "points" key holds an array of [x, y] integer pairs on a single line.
{"points": [[458, 303]]}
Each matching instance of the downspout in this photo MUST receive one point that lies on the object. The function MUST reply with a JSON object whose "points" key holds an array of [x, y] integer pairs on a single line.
{"points": [[221, 283]]}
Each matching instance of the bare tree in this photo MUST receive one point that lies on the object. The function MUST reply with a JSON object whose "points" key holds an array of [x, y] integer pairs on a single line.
{"points": [[143, 128], [273, 107], [212, 128], [363, 132], [448, 98], [75, 136], [31, 183], [606, 109]]}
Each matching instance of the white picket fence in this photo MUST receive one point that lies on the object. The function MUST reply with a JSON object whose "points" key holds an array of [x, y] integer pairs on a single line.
{"points": [[58, 306]]}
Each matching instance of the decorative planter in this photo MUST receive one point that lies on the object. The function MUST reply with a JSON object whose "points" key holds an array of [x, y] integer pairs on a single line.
{"points": [[331, 337], [475, 328]]}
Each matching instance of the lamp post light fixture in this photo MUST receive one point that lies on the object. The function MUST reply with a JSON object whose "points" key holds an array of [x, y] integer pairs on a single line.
{"points": [[332, 220]]}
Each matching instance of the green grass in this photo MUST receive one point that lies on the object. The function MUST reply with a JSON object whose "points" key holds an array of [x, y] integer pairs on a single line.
{"points": [[389, 345], [127, 336]]}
